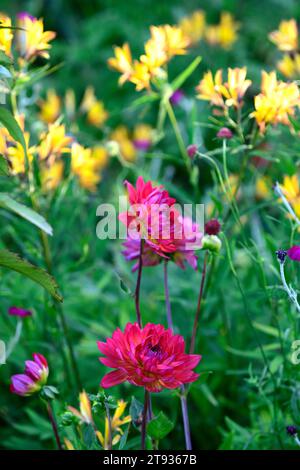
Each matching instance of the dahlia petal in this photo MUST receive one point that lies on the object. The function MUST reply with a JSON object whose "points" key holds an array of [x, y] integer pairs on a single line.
{"points": [[113, 378]]}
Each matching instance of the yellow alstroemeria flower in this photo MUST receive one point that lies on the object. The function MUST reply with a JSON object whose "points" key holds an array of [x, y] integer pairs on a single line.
{"points": [[228, 28], [286, 37], [290, 66], [95, 111], [154, 58], [140, 76], [85, 166], [209, 88], [50, 108], [291, 190], [127, 149], [100, 154], [115, 425], [32, 40], [52, 175], [54, 142], [262, 187], [193, 26], [4, 141], [122, 62], [6, 35], [236, 86], [170, 39], [85, 413], [276, 102], [16, 155]]}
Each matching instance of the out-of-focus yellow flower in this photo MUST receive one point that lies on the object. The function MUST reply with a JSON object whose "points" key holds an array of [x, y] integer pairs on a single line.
{"points": [[95, 111], [68, 444], [170, 39], [262, 187], [32, 40], [286, 37], [154, 58], [142, 136], [126, 146], [116, 423], [276, 102], [52, 175], [100, 154], [193, 26], [85, 166], [290, 65], [140, 76], [16, 155], [291, 190], [221, 94], [122, 62], [6, 35], [50, 107], [4, 141], [54, 142], [225, 33], [85, 413]]}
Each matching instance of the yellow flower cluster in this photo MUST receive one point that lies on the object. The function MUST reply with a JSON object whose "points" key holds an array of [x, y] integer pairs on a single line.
{"points": [[31, 39], [276, 102], [286, 38], [87, 163], [129, 144], [224, 94], [291, 190], [223, 34], [165, 42], [84, 415], [94, 109]]}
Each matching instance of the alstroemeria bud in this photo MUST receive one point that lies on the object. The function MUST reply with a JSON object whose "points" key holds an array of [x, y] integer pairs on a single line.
{"points": [[192, 150], [225, 133], [212, 227], [211, 243]]}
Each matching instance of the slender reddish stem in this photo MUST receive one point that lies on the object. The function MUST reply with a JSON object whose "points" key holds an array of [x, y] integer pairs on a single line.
{"points": [[138, 286], [54, 425], [197, 316], [145, 416], [168, 303]]}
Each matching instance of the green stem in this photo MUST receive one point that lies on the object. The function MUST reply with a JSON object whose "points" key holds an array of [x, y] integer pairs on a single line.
{"points": [[178, 135]]}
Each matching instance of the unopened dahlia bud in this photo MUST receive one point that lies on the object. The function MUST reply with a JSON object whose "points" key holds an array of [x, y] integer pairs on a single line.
{"points": [[211, 243], [281, 255], [225, 133], [212, 227], [192, 150]]}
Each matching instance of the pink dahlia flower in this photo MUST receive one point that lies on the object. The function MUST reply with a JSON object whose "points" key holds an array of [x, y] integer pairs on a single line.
{"points": [[19, 312], [150, 357], [151, 216], [132, 253], [34, 378], [190, 239]]}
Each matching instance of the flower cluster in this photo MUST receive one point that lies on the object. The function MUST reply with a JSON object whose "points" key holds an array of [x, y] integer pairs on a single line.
{"points": [[150, 357], [286, 38], [34, 378], [31, 40]]}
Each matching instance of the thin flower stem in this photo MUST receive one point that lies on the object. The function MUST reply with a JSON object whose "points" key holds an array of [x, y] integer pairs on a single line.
{"points": [[197, 316], [287, 205], [289, 290], [183, 394], [178, 135], [138, 286], [144, 421], [53, 424], [109, 443], [168, 304]]}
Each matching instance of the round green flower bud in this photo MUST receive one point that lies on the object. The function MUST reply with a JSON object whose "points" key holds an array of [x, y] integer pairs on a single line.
{"points": [[211, 243]]}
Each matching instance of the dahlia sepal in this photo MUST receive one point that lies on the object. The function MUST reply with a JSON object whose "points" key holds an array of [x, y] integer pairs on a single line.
{"points": [[49, 392]]}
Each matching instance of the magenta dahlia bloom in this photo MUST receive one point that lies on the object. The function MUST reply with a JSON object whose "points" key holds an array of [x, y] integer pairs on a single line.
{"points": [[151, 216], [132, 253], [34, 378], [294, 253], [189, 240], [19, 312], [150, 357]]}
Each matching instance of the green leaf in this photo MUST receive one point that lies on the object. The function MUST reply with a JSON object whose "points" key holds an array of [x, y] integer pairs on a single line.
{"points": [[4, 168], [159, 427], [4, 59], [40, 276], [269, 330], [136, 412], [26, 212], [183, 76], [9, 122]]}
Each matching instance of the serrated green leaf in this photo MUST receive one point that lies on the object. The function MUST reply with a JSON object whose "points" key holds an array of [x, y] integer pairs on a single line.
{"points": [[159, 427], [40, 276], [26, 212]]}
